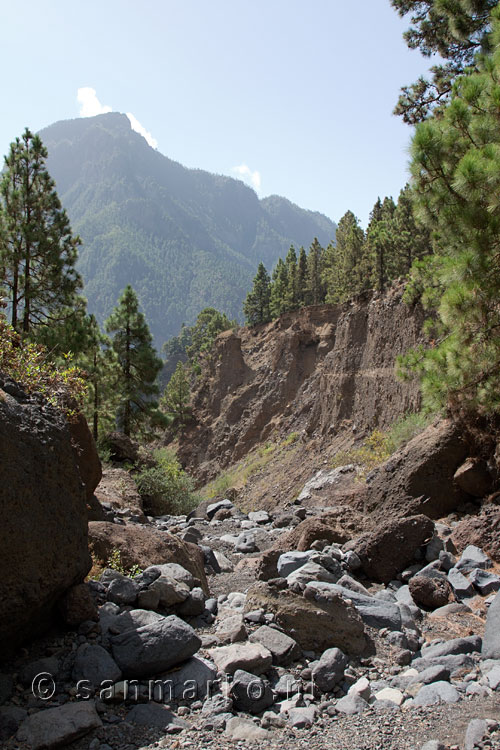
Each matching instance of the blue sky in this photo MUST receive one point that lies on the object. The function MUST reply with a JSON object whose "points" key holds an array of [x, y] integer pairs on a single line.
{"points": [[295, 97]]}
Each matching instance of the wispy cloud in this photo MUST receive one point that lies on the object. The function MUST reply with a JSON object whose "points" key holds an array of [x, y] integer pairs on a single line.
{"points": [[91, 106], [245, 173], [89, 103], [136, 125]]}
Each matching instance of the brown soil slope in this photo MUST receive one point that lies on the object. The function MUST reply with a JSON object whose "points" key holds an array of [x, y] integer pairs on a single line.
{"points": [[325, 372]]}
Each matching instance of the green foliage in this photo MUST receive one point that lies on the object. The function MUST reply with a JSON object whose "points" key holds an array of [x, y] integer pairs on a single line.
{"points": [[38, 252], [256, 307], [380, 445], [195, 343], [114, 562], [100, 363], [344, 270], [139, 365], [454, 29], [175, 400], [373, 451], [408, 427], [165, 487], [456, 174], [30, 365]]}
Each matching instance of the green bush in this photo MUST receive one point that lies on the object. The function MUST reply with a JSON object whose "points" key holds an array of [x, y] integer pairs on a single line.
{"points": [[407, 427], [165, 487], [30, 365]]}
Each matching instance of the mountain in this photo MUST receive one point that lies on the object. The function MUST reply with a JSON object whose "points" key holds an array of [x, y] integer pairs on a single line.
{"points": [[184, 238]]}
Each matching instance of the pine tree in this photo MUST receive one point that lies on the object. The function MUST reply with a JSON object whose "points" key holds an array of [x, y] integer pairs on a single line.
{"points": [[279, 288], [456, 177], [138, 361], [177, 395], [412, 239], [380, 244], [345, 272], [256, 305], [291, 296], [302, 278], [100, 363], [454, 29], [315, 286], [38, 251], [209, 323]]}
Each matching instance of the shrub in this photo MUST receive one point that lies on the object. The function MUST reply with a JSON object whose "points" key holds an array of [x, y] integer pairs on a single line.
{"points": [[29, 365], [165, 487]]}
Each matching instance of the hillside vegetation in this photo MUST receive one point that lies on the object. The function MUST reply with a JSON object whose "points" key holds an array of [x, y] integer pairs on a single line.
{"points": [[184, 238]]}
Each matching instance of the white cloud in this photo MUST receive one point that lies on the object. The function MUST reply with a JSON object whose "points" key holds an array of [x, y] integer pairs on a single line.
{"points": [[136, 125], [246, 174], [90, 104]]}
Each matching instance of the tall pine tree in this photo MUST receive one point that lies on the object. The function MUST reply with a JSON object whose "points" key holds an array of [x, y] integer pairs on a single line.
{"points": [[315, 286], [138, 361], [279, 288], [38, 251], [100, 363], [256, 306], [456, 177], [344, 269]]}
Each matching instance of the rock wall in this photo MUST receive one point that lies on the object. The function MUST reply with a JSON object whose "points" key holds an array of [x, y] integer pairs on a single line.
{"points": [[43, 517], [324, 371]]}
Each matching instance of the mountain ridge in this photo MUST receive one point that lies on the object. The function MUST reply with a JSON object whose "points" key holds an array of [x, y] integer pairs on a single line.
{"points": [[183, 237]]}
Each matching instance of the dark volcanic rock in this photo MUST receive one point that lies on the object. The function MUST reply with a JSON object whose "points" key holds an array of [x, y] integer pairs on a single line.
{"points": [[430, 592], [43, 517], [387, 551]]}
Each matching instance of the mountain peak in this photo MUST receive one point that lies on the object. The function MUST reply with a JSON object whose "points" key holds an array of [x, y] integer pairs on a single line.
{"points": [[184, 238]]}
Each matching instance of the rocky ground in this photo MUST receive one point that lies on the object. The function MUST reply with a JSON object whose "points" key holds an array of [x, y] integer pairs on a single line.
{"points": [[389, 641]]}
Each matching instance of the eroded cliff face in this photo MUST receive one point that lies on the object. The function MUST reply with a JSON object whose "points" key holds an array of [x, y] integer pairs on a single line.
{"points": [[326, 372]]}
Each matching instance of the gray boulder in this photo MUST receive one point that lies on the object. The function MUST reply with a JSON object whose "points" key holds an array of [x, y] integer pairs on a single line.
{"points": [[155, 648], [374, 612], [93, 663], [468, 645], [477, 731], [192, 681], [122, 591], [473, 557], [250, 693], [437, 692], [154, 715], [491, 639], [59, 726], [351, 704], [290, 561], [484, 581], [462, 588], [284, 649], [330, 669]]}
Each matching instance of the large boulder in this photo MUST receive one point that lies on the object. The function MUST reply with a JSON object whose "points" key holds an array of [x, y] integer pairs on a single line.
{"points": [[491, 640], [122, 448], [87, 458], [328, 526], [387, 551], [154, 648], [117, 487], [145, 546], [482, 530], [313, 625], [419, 478], [43, 518]]}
